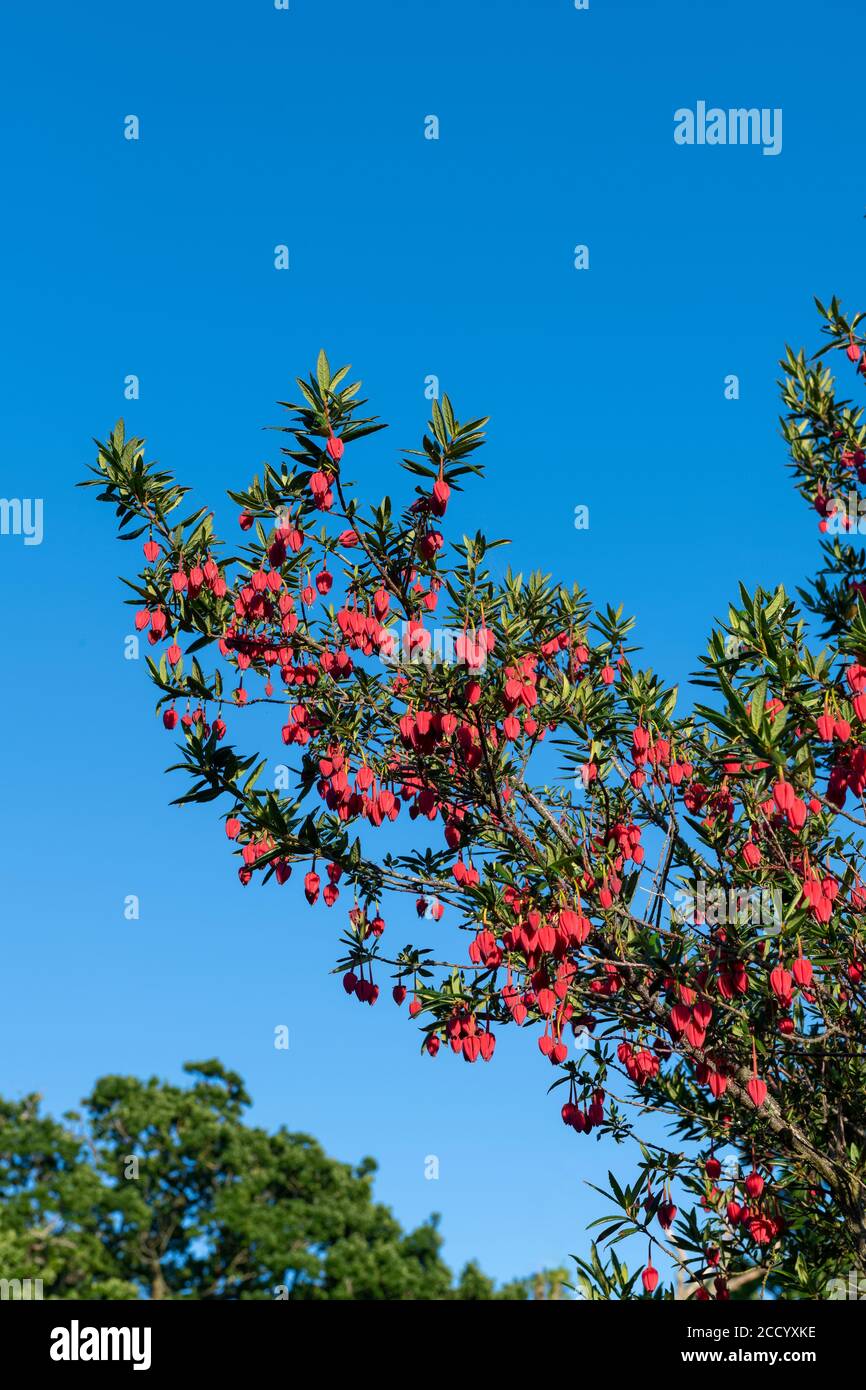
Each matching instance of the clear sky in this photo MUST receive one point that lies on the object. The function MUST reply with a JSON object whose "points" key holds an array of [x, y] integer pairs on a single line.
{"points": [[408, 257]]}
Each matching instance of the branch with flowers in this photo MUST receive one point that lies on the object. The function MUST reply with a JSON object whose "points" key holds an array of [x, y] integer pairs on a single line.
{"points": [[602, 861]]}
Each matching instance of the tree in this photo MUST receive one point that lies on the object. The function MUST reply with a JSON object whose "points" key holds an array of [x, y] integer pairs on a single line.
{"points": [[164, 1192], [683, 890]]}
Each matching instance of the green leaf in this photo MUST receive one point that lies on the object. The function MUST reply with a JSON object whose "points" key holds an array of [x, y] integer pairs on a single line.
{"points": [[323, 373]]}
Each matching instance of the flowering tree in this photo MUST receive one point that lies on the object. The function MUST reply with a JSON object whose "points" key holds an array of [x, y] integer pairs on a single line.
{"points": [[679, 892]]}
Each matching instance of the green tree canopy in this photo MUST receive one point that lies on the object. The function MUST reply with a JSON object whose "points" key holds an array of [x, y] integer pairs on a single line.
{"points": [[162, 1191]]}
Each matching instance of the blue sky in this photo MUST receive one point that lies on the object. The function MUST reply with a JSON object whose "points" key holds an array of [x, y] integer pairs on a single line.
{"points": [[409, 257]]}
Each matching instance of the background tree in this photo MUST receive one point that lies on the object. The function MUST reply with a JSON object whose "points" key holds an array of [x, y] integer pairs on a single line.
{"points": [[681, 885], [161, 1191]]}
